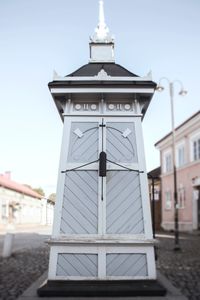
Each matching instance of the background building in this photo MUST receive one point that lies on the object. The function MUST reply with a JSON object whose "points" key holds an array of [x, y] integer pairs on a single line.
{"points": [[19, 204], [155, 197], [188, 175]]}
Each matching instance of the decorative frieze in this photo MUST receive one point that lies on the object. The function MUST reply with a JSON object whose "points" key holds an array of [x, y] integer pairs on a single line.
{"points": [[104, 107], [119, 107], [85, 107]]}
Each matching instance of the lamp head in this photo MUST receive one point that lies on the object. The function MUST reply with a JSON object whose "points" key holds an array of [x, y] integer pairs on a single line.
{"points": [[183, 92], [159, 88]]}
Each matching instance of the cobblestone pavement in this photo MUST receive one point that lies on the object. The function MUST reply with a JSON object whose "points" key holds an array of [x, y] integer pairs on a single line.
{"points": [[182, 268], [20, 270]]}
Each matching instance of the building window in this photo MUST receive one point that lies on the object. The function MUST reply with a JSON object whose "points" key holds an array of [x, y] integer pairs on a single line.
{"points": [[167, 162], [180, 156], [168, 200], [156, 193], [196, 149], [4, 211], [181, 197]]}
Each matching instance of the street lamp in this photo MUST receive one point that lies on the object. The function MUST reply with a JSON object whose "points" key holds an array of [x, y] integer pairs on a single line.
{"points": [[182, 92]]}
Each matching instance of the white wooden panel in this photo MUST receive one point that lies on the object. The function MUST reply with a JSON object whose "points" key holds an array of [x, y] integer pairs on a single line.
{"points": [[134, 255], [121, 142], [85, 265], [101, 90], [84, 139], [123, 203], [80, 203], [126, 265]]}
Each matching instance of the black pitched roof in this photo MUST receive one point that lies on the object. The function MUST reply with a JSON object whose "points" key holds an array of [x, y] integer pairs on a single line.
{"points": [[112, 69]]}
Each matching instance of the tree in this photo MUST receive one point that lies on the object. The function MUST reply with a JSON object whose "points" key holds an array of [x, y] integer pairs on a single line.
{"points": [[52, 197], [39, 190]]}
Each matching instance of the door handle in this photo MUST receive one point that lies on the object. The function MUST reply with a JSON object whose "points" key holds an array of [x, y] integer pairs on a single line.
{"points": [[102, 164]]}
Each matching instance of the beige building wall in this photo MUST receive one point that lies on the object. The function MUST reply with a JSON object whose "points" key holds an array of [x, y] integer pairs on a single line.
{"points": [[17, 208]]}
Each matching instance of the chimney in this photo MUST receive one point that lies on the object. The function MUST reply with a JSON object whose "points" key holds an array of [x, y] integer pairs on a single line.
{"points": [[7, 175]]}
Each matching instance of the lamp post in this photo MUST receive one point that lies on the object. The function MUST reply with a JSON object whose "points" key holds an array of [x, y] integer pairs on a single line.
{"points": [[182, 92]]}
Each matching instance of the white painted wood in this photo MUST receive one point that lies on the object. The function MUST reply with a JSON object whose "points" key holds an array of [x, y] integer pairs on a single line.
{"points": [[53, 263], [106, 114], [106, 239], [102, 243], [101, 90], [126, 265], [143, 180], [104, 208], [61, 178], [77, 265], [151, 263], [101, 251], [102, 263]]}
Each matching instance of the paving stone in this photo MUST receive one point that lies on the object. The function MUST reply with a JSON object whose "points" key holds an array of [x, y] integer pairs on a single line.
{"points": [[182, 268], [20, 270]]}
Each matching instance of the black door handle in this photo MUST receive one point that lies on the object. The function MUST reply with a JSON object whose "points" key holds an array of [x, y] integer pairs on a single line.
{"points": [[102, 164]]}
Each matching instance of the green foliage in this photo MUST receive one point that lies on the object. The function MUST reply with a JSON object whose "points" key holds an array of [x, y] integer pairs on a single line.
{"points": [[52, 197], [39, 190]]}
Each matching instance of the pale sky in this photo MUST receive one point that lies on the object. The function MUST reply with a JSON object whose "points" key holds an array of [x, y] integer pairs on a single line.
{"points": [[38, 36]]}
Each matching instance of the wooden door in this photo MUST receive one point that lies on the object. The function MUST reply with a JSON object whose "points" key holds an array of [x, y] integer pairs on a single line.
{"points": [[80, 197], [123, 191]]}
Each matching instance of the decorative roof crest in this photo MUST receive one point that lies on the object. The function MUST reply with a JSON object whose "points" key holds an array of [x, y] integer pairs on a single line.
{"points": [[103, 75]]}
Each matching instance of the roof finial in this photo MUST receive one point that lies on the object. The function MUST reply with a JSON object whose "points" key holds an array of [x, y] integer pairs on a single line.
{"points": [[102, 31], [102, 23]]}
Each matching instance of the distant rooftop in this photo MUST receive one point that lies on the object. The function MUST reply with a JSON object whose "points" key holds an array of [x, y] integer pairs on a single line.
{"points": [[6, 182], [178, 127]]}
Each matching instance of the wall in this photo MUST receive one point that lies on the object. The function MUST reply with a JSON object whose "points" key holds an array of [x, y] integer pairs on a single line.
{"points": [[22, 209]]}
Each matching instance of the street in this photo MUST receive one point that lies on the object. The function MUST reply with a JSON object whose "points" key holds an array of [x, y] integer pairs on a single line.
{"points": [[27, 237], [30, 260]]}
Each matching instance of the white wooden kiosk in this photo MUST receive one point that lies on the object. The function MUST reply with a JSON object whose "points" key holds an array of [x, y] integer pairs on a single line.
{"points": [[102, 241]]}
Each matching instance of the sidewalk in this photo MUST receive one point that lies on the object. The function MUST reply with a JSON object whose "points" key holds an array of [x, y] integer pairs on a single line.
{"points": [[22, 228], [27, 237]]}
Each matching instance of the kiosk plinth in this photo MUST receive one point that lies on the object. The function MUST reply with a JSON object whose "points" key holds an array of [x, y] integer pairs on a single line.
{"points": [[102, 242]]}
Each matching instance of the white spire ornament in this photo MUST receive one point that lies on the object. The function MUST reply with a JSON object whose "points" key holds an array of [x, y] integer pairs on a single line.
{"points": [[101, 43], [102, 34]]}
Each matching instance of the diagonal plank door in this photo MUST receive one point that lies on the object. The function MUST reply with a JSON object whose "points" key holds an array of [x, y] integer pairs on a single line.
{"points": [[80, 199], [124, 213]]}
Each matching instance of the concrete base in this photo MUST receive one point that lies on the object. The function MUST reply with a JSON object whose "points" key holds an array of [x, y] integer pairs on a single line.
{"points": [[103, 288], [172, 292]]}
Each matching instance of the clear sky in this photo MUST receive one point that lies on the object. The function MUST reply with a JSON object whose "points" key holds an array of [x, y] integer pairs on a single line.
{"points": [[38, 36]]}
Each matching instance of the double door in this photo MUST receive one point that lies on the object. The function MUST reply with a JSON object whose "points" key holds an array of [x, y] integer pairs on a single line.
{"points": [[96, 205]]}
